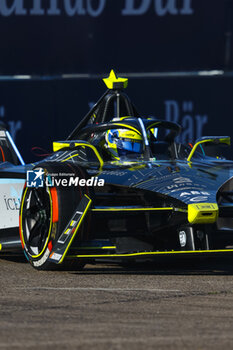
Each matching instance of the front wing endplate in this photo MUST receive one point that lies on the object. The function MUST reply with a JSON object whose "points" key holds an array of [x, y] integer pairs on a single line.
{"points": [[63, 244]]}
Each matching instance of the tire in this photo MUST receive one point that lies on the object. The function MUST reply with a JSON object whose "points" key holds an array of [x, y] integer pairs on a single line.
{"points": [[44, 214]]}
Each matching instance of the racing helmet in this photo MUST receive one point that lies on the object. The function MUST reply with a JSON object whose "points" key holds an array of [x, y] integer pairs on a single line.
{"points": [[123, 142]]}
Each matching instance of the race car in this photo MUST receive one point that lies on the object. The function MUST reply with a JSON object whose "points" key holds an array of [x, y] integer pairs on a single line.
{"points": [[12, 180], [121, 188]]}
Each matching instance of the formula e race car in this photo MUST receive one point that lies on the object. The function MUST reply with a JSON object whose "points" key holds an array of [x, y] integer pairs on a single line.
{"points": [[12, 180], [121, 187]]}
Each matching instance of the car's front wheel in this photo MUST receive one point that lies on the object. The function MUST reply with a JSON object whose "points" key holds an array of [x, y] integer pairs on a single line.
{"points": [[44, 214]]}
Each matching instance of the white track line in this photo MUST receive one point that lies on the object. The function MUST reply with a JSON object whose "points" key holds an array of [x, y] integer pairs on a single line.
{"points": [[102, 289]]}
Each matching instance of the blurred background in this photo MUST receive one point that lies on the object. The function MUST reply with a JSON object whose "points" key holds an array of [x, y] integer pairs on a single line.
{"points": [[177, 54]]}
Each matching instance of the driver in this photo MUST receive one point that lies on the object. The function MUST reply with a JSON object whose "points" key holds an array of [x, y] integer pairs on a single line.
{"points": [[123, 143]]}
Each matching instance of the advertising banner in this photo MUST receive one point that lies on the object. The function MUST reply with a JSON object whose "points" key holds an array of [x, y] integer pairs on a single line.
{"points": [[52, 37]]}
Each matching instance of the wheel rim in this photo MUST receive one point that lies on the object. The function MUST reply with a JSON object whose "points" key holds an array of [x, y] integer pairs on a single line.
{"points": [[36, 220]]}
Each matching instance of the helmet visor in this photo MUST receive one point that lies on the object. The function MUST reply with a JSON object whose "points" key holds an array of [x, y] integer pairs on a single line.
{"points": [[124, 147]]}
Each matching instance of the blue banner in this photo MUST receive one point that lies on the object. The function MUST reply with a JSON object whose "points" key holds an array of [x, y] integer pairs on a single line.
{"points": [[53, 37]]}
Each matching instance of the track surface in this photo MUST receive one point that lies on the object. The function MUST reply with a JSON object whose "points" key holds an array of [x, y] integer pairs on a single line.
{"points": [[188, 306]]}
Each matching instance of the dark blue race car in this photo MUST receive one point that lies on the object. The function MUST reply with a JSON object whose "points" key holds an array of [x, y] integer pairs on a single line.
{"points": [[121, 188]]}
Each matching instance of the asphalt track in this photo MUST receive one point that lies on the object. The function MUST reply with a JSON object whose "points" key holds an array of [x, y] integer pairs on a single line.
{"points": [[184, 305]]}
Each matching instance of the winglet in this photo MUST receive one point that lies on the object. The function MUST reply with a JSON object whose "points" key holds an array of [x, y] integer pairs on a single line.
{"points": [[64, 242], [113, 82]]}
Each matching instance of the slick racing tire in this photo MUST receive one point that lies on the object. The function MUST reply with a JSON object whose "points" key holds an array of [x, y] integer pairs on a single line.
{"points": [[44, 214]]}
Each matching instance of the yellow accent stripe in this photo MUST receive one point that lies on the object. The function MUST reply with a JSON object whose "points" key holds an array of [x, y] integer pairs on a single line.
{"points": [[181, 210], [75, 155], [152, 125], [58, 145], [221, 140], [110, 247], [127, 127], [21, 211], [195, 147], [50, 227], [95, 151], [151, 253], [80, 221], [0, 247], [133, 209]]}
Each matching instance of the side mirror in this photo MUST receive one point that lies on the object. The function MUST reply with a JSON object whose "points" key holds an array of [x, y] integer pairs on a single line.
{"points": [[211, 140]]}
